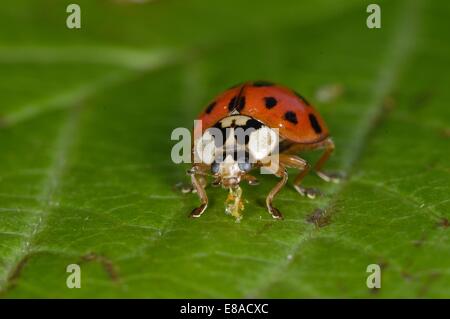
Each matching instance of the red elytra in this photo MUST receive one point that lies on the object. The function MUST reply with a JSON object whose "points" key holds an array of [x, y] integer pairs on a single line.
{"points": [[274, 105]]}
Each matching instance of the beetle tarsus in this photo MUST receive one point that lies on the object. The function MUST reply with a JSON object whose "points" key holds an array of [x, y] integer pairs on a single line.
{"points": [[184, 188], [331, 177], [272, 210], [308, 192], [276, 214], [197, 212]]}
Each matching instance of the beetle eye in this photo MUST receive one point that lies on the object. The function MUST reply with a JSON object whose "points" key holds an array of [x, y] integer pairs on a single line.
{"points": [[245, 166], [215, 168]]}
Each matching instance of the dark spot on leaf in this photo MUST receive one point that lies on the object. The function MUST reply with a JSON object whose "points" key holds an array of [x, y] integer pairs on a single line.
{"points": [[319, 217], [389, 103], [17, 271], [419, 242], [106, 263], [3, 122], [374, 290], [383, 264], [421, 99], [314, 123], [445, 132], [406, 275], [290, 117], [262, 83], [444, 223], [210, 107], [265, 228], [428, 282], [270, 102]]}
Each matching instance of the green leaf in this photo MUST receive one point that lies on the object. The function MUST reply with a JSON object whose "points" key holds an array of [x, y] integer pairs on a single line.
{"points": [[85, 170]]}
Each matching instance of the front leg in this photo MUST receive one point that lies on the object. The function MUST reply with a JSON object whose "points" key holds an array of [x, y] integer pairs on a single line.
{"points": [[284, 177], [195, 178]]}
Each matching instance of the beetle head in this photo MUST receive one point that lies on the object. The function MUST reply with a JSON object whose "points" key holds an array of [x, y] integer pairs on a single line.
{"points": [[229, 172]]}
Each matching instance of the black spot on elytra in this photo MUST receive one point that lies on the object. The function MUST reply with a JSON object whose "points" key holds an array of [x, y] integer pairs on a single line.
{"points": [[232, 103], [290, 117], [314, 123], [210, 107], [301, 98], [262, 83], [236, 103], [241, 103], [270, 102]]}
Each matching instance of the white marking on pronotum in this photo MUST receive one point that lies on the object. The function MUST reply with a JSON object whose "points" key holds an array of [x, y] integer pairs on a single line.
{"points": [[262, 142]]}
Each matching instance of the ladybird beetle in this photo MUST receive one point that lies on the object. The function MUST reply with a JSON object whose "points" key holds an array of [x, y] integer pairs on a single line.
{"points": [[262, 107]]}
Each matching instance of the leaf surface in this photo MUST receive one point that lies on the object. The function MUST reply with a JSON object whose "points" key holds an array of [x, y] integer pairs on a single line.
{"points": [[86, 175]]}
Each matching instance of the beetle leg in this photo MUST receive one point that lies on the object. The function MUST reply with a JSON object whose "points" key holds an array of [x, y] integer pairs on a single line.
{"points": [[300, 164], [187, 188], [326, 144], [197, 212], [328, 177], [252, 180], [284, 177], [216, 182]]}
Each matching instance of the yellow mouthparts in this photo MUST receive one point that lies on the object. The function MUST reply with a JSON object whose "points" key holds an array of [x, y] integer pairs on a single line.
{"points": [[234, 204]]}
